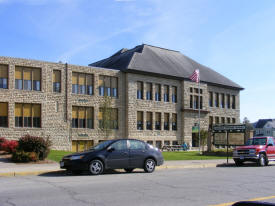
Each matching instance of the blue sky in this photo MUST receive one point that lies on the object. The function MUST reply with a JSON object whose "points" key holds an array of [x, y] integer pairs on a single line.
{"points": [[236, 38]]}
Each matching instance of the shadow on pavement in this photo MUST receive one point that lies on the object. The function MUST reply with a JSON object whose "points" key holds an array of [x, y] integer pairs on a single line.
{"points": [[247, 164], [85, 173]]}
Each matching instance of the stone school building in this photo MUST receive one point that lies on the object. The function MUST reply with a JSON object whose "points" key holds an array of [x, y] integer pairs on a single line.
{"points": [[151, 99]]}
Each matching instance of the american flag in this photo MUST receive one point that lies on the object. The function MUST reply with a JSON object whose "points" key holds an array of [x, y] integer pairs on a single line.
{"points": [[195, 77]]}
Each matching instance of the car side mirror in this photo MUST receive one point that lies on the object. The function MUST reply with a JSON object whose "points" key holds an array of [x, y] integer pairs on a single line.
{"points": [[270, 145], [110, 149]]}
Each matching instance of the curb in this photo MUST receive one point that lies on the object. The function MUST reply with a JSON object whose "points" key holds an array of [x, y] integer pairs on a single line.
{"points": [[26, 173], [14, 174]]}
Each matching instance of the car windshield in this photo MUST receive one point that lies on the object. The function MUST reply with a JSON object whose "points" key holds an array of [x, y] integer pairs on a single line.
{"points": [[256, 141], [101, 145]]}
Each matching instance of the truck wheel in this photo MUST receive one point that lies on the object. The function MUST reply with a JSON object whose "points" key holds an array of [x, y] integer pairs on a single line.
{"points": [[262, 160], [238, 162]]}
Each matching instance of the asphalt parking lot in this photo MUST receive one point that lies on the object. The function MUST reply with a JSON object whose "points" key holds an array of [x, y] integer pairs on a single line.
{"points": [[196, 186]]}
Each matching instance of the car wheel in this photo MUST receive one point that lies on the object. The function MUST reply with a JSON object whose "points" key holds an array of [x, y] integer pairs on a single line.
{"points": [[149, 165], [238, 162], [262, 160], [96, 167], [129, 170]]}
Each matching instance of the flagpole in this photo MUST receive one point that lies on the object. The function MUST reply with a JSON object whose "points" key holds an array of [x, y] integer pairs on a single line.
{"points": [[199, 116]]}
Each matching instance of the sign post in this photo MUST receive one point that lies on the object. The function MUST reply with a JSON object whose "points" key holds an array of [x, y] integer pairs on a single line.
{"points": [[229, 135]]}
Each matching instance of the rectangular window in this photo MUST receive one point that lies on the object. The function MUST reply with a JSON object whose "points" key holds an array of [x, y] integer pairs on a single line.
{"points": [[217, 100], [196, 102], [210, 99], [4, 77], [108, 118], [149, 120], [217, 120], [228, 101], [191, 101], [174, 94], [233, 121], [82, 117], [27, 78], [108, 86], [27, 115], [222, 120], [140, 120], [158, 121], [201, 101], [157, 92], [3, 114], [174, 121], [82, 83], [166, 93], [210, 121], [149, 91], [166, 121], [228, 120], [56, 81], [233, 102], [222, 101], [139, 90]]}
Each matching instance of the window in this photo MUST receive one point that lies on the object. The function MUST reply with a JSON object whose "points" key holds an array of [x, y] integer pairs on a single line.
{"points": [[56, 81], [174, 94], [150, 142], [4, 114], [166, 93], [233, 102], [158, 92], [81, 145], [196, 102], [167, 142], [217, 100], [223, 101], [158, 121], [136, 145], [139, 90], [108, 86], [120, 145], [149, 119], [158, 144], [140, 120], [228, 101], [166, 121], [82, 117], [210, 99], [210, 121], [27, 78], [4, 77], [108, 118], [222, 120], [228, 120], [233, 120], [27, 115], [174, 121], [82, 83], [191, 101], [149, 91], [217, 120]]}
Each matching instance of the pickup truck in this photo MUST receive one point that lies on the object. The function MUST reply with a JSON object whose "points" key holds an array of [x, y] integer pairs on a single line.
{"points": [[257, 149]]}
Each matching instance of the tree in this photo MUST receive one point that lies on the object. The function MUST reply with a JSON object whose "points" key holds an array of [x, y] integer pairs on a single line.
{"points": [[105, 121], [203, 138], [248, 127]]}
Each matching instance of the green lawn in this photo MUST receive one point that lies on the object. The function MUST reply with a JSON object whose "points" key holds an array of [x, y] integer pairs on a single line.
{"points": [[191, 155], [56, 155]]}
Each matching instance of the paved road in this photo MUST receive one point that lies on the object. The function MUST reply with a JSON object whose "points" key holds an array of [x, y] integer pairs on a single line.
{"points": [[207, 186]]}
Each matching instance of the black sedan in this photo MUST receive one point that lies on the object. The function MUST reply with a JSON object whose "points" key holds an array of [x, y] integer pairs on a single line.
{"points": [[126, 154]]}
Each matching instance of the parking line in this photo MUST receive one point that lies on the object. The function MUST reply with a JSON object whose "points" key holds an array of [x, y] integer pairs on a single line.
{"points": [[254, 199]]}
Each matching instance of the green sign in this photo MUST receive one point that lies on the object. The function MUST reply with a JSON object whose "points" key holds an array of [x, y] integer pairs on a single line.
{"points": [[195, 129]]}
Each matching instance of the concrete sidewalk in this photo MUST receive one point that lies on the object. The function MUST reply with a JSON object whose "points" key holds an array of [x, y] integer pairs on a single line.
{"points": [[8, 168]]}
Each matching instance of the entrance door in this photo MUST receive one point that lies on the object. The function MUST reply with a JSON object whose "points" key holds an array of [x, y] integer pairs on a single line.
{"points": [[195, 139]]}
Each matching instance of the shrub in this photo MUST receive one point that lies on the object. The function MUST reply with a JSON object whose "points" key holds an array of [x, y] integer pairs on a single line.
{"points": [[21, 156], [9, 146], [34, 144], [2, 140]]}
